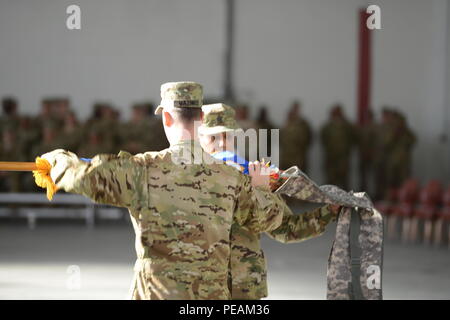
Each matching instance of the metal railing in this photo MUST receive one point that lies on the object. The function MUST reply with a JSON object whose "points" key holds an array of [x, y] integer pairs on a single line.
{"points": [[35, 205]]}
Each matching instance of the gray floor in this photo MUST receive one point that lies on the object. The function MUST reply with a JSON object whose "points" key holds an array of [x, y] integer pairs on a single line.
{"points": [[34, 264]]}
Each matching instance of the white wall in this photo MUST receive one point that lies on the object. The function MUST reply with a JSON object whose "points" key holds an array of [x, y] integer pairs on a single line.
{"points": [[308, 50], [283, 50], [123, 52]]}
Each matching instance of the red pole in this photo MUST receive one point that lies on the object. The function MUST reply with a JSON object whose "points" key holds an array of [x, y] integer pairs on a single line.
{"points": [[364, 68]]}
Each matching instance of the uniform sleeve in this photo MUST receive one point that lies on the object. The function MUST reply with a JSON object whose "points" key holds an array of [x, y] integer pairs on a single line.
{"points": [[257, 209], [301, 227], [107, 179]]}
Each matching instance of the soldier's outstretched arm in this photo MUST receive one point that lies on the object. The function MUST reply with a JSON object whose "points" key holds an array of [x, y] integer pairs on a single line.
{"points": [[107, 179], [301, 227]]}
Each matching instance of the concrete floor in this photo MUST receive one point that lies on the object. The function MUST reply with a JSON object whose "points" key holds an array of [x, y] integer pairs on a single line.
{"points": [[34, 264]]}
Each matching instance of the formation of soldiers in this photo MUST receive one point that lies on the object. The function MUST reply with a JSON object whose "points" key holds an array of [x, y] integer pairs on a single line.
{"points": [[384, 148], [23, 138]]}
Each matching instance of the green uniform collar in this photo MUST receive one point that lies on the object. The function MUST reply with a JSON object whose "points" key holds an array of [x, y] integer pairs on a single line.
{"points": [[186, 143]]}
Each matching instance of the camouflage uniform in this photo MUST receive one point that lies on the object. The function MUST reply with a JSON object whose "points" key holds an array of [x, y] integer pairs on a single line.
{"points": [[385, 139], [295, 139], [248, 265], [399, 161], [337, 139], [367, 136], [182, 204], [10, 151], [356, 259], [263, 123], [136, 132], [143, 133]]}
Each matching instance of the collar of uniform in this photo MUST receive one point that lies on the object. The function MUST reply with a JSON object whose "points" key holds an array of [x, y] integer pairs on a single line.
{"points": [[186, 143], [187, 152]]}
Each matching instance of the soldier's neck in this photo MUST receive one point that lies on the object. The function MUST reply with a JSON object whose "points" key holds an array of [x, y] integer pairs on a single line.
{"points": [[184, 135]]}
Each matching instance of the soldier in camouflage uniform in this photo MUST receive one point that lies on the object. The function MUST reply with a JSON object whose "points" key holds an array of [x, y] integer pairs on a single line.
{"points": [[106, 127], [295, 139], [72, 134], [28, 137], [385, 140], [248, 264], [48, 141], [144, 131], [136, 132], [399, 160], [10, 117], [367, 137], [10, 144], [181, 200], [338, 139], [10, 151], [243, 119]]}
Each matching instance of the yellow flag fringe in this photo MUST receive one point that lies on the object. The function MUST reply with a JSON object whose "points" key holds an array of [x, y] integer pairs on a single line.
{"points": [[42, 177]]}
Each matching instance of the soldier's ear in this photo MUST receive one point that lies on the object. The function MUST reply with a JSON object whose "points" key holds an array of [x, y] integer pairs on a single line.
{"points": [[167, 119]]}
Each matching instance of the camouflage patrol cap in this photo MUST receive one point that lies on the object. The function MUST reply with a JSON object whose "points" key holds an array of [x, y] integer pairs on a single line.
{"points": [[218, 118], [185, 94]]}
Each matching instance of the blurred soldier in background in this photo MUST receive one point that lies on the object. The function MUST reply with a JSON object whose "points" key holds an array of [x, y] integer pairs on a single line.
{"points": [[72, 134], [385, 134], [10, 116], [135, 133], [399, 159], [61, 109], [28, 137], [295, 139], [338, 139], [46, 115], [263, 122], [94, 144], [104, 130], [243, 118], [48, 140], [10, 151], [367, 149], [144, 131], [9, 143], [245, 123], [156, 136]]}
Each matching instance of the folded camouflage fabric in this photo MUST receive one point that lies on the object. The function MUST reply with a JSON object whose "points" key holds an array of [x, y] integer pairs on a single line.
{"points": [[356, 258], [300, 186]]}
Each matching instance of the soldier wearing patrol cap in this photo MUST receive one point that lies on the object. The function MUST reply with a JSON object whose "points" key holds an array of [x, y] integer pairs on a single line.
{"points": [[248, 266], [182, 212]]}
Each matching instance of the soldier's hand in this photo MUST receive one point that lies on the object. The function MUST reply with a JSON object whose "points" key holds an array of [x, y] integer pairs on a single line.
{"points": [[259, 174], [60, 160], [335, 209]]}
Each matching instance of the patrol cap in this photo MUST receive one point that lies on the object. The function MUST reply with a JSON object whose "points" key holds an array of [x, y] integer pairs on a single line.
{"points": [[185, 94], [217, 118]]}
